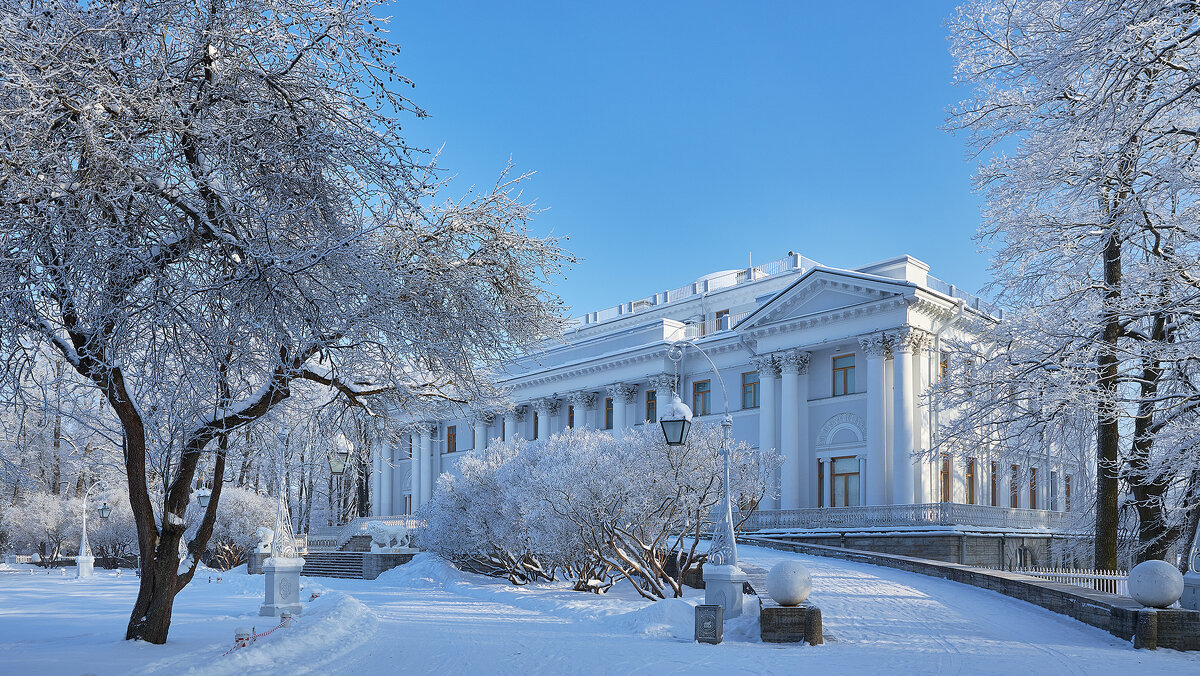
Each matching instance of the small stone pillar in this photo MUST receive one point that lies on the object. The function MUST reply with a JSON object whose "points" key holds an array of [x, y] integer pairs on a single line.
{"points": [[283, 586], [723, 587], [1191, 591], [710, 625]]}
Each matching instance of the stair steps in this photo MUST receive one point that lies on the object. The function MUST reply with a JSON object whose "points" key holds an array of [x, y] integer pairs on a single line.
{"points": [[334, 564]]}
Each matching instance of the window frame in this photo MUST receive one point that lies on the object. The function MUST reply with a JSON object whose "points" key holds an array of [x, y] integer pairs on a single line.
{"points": [[834, 475], [698, 410], [1067, 492], [451, 438], [719, 315], [846, 372], [535, 426], [995, 471], [1014, 488], [945, 485], [970, 478], [1053, 491], [652, 405], [1033, 488], [571, 416], [608, 413], [755, 386]]}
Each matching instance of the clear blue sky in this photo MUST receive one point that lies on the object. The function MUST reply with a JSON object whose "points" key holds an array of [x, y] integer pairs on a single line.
{"points": [[673, 139]]}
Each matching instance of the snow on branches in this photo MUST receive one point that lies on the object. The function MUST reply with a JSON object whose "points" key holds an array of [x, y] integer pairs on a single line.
{"points": [[204, 205], [590, 507]]}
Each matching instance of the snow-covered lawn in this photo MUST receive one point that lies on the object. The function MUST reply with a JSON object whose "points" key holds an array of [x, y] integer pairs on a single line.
{"points": [[426, 617]]}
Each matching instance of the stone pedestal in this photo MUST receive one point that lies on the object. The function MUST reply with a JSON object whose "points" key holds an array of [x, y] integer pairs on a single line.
{"points": [[791, 624], [1191, 591], [723, 587], [282, 586], [84, 566]]}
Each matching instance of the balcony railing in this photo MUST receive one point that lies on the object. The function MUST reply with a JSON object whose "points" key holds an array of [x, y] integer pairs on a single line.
{"points": [[924, 514], [331, 538]]}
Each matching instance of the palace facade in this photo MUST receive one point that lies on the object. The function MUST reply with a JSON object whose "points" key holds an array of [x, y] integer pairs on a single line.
{"points": [[825, 364]]}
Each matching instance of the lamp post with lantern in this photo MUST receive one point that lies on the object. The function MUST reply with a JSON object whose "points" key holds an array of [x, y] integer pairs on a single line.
{"points": [[338, 460], [723, 578], [84, 561]]}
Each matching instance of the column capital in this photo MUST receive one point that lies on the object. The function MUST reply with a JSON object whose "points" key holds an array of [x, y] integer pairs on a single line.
{"points": [[794, 362], [909, 339], [548, 405], [664, 383], [520, 412], [766, 365], [622, 392], [874, 344], [485, 416], [582, 399], [426, 428]]}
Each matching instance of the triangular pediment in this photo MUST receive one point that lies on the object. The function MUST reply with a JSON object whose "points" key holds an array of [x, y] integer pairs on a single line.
{"points": [[822, 291]]}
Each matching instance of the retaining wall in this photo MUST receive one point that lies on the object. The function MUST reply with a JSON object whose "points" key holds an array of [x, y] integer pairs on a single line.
{"points": [[1120, 616]]}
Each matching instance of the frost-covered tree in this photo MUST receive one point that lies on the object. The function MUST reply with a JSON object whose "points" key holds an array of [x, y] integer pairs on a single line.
{"points": [[590, 507], [46, 523], [241, 514], [205, 204], [1089, 110]]}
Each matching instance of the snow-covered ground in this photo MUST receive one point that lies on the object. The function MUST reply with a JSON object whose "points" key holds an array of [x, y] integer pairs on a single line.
{"points": [[426, 617]]}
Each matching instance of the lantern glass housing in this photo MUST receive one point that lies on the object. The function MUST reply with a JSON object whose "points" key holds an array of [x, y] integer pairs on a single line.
{"points": [[202, 498], [104, 510], [337, 463], [676, 422]]}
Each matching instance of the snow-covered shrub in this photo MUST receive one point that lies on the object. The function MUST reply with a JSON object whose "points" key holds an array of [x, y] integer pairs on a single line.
{"points": [[239, 515], [591, 507], [46, 523]]}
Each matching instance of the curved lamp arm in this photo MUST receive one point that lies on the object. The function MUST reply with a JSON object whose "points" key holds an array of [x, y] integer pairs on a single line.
{"points": [[678, 346]]}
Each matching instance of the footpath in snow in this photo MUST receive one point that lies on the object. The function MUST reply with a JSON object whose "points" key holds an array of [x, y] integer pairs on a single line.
{"points": [[426, 618]]}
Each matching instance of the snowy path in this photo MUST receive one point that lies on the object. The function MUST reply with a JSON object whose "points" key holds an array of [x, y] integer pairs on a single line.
{"points": [[425, 618]]}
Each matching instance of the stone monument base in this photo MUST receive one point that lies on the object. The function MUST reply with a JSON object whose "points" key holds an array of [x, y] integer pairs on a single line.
{"points": [[282, 586], [723, 586], [710, 625], [85, 566], [791, 624]]}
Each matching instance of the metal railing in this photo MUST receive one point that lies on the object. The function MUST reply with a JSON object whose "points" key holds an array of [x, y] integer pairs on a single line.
{"points": [[973, 301], [795, 262], [332, 538], [1111, 581], [922, 514], [707, 328]]}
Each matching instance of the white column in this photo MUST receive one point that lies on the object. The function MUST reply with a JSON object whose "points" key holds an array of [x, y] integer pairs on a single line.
{"points": [[481, 425], [429, 461], [546, 409], [768, 377], [905, 343], [862, 480], [415, 466], [793, 364], [874, 348], [582, 400], [387, 477], [663, 384], [377, 479], [510, 426]]}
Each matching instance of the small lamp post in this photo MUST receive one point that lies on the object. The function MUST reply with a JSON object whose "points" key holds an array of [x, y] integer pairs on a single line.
{"points": [[337, 467], [202, 497], [104, 510], [723, 578], [282, 568], [84, 561]]}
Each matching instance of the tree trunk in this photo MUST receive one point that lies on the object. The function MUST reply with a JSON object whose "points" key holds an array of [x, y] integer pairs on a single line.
{"points": [[151, 617], [1108, 433]]}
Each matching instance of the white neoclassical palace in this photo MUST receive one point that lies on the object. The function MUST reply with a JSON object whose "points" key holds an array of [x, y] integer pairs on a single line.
{"points": [[827, 365]]}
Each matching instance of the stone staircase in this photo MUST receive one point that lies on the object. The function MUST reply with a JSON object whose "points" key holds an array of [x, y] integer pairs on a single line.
{"points": [[334, 564], [358, 543]]}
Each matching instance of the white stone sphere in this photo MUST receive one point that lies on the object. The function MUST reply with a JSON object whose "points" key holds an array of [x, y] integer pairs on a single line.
{"points": [[1154, 584], [789, 583]]}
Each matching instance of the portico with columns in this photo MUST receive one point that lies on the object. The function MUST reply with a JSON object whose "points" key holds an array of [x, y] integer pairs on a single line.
{"points": [[825, 365]]}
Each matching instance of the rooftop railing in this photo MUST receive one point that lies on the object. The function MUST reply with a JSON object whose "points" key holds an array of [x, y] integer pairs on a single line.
{"points": [[794, 262], [973, 301]]}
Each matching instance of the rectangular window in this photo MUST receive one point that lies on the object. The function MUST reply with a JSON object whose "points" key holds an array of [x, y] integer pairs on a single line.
{"points": [[451, 438], [843, 375], [995, 484], [408, 504], [845, 482], [971, 481], [651, 406], [1033, 488], [1014, 487], [608, 413], [944, 365], [1067, 492], [535, 425], [503, 433], [722, 319], [1054, 490], [944, 475], [750, 390], [570, 416], [820, 483], [411, 445], [701, 397]]}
